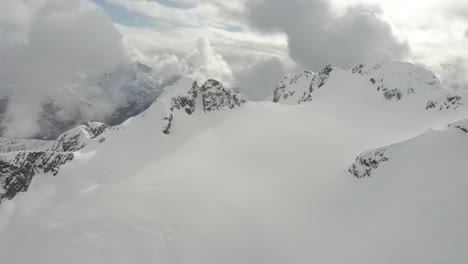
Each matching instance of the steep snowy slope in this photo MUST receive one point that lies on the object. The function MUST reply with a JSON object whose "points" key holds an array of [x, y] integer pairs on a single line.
{"points": [[240, 182]]}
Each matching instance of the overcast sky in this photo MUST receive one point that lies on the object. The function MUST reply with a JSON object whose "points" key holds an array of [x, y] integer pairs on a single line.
{"points": [[301, 34], [47, 44]]}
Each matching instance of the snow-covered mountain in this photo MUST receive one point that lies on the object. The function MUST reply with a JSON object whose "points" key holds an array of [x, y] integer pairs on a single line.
{"points": [[127, 91], [365, 165]]}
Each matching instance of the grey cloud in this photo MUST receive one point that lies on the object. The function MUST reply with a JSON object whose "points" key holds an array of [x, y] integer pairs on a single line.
{"points": [[457, 10], [317, 37], [257, 82], [466, 33], [182, 4], [454, 75]]}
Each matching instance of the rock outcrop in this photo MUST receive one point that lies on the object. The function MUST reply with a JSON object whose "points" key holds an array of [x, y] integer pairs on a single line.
{"points": [[367, 162], [211, 96], [298, 88], [20, 165]]}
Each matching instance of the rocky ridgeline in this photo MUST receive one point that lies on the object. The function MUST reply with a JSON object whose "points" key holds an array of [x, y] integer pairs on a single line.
{"points": [[17, 168], [298, 88], [212, 96]]}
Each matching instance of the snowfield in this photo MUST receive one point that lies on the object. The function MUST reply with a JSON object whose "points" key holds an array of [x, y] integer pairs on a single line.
{"points": [[262, 182]]}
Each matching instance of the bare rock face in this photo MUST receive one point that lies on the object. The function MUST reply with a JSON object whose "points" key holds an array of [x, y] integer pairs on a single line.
{"points": [[19, 166], [16, 173], [212, 96], [367, 162]]}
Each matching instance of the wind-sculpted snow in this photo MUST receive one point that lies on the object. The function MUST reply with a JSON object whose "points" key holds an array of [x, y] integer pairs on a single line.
{"points": [[212, 96], [25, 160]]}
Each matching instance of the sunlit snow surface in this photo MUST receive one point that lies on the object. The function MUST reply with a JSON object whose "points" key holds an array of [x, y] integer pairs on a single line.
{"points": [[263, 183]]}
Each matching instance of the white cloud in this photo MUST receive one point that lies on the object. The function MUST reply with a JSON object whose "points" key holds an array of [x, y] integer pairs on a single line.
{"points": [[203, 63], [62, 38], [432, 29]]}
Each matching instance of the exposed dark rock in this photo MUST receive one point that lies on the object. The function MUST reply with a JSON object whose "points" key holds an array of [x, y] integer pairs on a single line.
{"points": [[358, 69], [446, 103], [317, 82], [212, 95], [324, 74], [452, 101], [393, 94], [18, 168], [461, 125], [367, 162], [280, 92], [16, 174], [462, 128], [431, 104]]}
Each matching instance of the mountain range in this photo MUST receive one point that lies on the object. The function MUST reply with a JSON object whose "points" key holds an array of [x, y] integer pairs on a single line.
{"points": [[366, 165]]}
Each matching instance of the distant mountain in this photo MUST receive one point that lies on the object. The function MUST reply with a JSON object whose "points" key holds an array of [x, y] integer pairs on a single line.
{"points": [[366, 165], [128, 90]]}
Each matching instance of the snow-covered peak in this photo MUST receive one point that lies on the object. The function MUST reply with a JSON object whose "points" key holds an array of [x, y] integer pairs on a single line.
{"points": [[396, 80], [371, 64], [379, 75], [298, 88], [187, 95], [181, 87]]}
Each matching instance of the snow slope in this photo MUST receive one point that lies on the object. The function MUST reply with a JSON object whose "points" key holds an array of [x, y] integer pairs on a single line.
{"points": [[259, 182]]}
